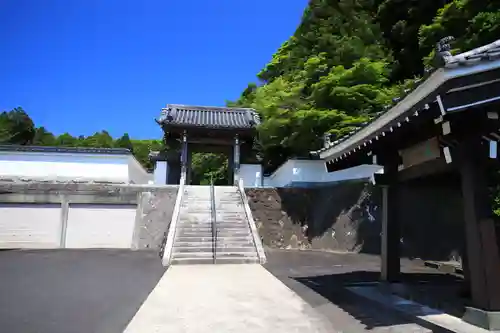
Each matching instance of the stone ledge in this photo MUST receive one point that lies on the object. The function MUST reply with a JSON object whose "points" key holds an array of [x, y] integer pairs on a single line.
{"points": [[423, 315], [489, 320], [72, 187]]}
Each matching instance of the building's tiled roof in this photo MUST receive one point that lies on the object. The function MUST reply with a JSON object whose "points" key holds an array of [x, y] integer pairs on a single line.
{"points": [[486, 52], [71, 150], [210, 117], [402, 106]]}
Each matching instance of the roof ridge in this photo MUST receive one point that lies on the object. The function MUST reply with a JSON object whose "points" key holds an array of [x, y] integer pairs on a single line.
{"points": [[64, 149], [208, 108], [478, 50]]}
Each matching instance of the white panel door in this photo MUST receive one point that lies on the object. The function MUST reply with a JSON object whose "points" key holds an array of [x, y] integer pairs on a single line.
{"points": [[30, 226], [100, 226]]}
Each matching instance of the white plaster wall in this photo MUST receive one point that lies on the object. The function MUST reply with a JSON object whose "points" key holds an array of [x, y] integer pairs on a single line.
{"points": [[160, 173], [30, 226], [314, 171], [267, 182], [136, 172], [99, 167], [100, 226], [251, 175]]}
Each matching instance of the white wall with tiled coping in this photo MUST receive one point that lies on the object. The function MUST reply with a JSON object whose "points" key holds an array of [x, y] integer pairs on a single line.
{"points": [[314, 173], [73, 166]]}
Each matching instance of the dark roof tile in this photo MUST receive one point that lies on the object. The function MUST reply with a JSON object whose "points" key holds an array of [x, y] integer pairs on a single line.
{"points": [[212, 117], [70, 150], [486, 52]]}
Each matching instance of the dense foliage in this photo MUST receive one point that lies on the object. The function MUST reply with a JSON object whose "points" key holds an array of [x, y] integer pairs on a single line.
{"points": [[345, 61], [348, 58]]}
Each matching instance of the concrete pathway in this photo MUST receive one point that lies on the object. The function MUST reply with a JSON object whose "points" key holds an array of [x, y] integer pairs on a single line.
{"points": [[224, 298]]}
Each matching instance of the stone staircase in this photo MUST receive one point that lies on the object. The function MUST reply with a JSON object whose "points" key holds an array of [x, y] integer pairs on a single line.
{"points": [[194, 242]]}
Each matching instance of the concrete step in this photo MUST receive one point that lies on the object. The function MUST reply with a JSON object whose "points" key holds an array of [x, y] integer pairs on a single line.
{"points": [[221, 261], [195, 223], [231, 219], [220, 239], [200, 255], [210, 261], [198, 217], [192, 261], [240, 228], [189, 228], [235, 233], [208, 230], [220, 255], [178, 249], [208, 244], [205, 234], [195, 210], [197, 204], [209, 224]]}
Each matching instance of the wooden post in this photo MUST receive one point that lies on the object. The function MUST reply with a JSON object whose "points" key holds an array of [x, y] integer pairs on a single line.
{"points": [[236, 165], [184, 157], [230, 165], [483, 257], [189, 169], [390, 251]]}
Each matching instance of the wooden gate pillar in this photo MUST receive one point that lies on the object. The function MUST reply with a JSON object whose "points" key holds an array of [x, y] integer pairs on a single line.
{"points": [[483, 256], [184, 158], [236, 164], [390, 242]]}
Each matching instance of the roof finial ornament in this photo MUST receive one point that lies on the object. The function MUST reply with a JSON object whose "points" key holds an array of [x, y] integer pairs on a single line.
{"points": [[327, 140], [443, 49]]}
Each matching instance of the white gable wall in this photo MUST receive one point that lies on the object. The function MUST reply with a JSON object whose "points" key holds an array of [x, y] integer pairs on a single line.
{"points": [[251, 175], [71, 166], [136, 172], [314, 172]]}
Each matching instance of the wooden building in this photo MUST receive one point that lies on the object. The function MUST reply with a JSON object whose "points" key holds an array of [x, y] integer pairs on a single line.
{"points": [[191, 129], [448, 122]]}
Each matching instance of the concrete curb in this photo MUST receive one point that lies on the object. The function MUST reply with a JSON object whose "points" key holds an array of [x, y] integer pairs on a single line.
{"points": [[169, 244], [444, 267], [429, 318], [253, 227]]}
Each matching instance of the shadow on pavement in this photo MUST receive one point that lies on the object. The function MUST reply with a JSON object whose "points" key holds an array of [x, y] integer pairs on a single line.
{"points": [[333, 288]]}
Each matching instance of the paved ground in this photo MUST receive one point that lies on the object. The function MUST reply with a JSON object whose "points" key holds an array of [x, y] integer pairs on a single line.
{"points": [[91, 291], [320, 279], [225, 298], [74, 291]]}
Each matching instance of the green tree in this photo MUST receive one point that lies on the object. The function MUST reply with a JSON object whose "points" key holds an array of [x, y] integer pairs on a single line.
{"points": [[124, 142], [66, 140], [16, 127], [100, 139], [472, 22], [400, 22], [207, 168], [43, 137]]}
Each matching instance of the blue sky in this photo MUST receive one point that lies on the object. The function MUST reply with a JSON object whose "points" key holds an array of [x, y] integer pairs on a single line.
{"points": [[80, 66]]}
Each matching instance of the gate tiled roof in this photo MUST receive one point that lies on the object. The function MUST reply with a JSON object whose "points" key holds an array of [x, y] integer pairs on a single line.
{"points": [[210, 117]]}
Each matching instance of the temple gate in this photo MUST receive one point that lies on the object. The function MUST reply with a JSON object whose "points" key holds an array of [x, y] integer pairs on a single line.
{"points": [[189, 129]]}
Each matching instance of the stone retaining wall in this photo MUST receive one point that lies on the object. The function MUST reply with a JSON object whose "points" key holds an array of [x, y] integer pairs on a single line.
{"points": [[347, 217], [155, 204]]}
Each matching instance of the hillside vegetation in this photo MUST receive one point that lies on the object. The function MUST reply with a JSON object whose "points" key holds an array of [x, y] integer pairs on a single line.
{"points": [[344, 63]]}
